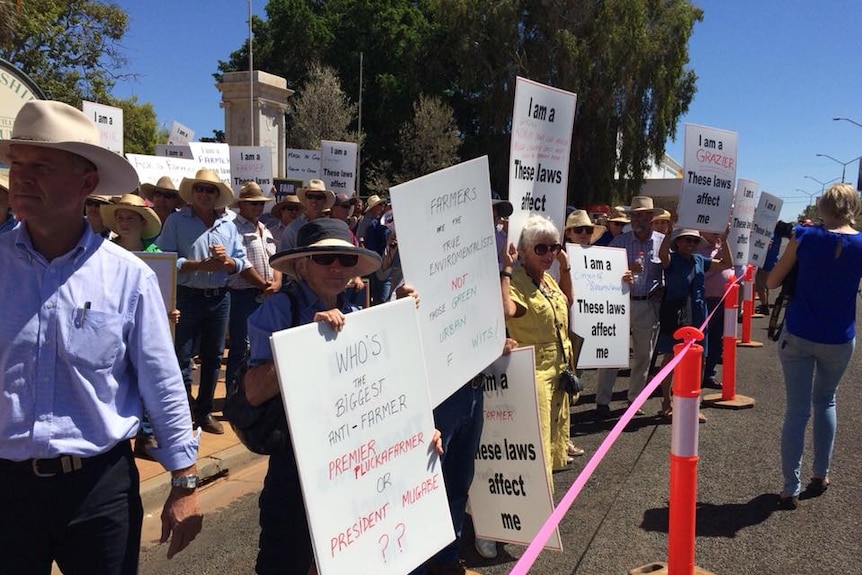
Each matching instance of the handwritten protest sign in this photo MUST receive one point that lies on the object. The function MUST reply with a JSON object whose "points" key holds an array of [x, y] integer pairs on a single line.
{"points": [[180, 134], [542, 121], [214, 156], [151, 168], [741, 220], [707, 179], [601, 312], [109, 121], [510, 497], [338, 166], [361, 423], [250, 164], [303, 165], [765, 218], [174, 151], [449, 254]]}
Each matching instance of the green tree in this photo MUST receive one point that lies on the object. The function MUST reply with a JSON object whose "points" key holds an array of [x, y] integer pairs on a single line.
{"points": [[320, 111], [429, 141], [9, 11]]}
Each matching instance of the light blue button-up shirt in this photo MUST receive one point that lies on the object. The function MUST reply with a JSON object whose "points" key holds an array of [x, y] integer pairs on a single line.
{"points": [[187, 235], [84, 347]]}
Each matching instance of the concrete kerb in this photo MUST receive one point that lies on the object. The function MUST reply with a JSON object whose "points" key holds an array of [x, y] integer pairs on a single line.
{"points": [[155, 490]]}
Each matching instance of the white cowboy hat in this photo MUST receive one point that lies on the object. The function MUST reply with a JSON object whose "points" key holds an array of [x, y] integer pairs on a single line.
{"points": [[288, 200], [642, 204], [686, 232], [619, 215], [661, 215], [317, 186], [373, 201], [206, 176], [137, 204], [164, 184], [59, 126], [579, 218], [251, 192]]}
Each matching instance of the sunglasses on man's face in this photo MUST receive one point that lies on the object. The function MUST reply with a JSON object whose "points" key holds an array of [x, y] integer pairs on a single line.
{"points": [[315, 196], [204, 189], [165, 195], [542, 249], [582, 229], [346, 260]]}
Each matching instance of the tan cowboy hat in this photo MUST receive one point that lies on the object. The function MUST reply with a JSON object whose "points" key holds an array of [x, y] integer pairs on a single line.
{"points": [[288, 200], [164, 184], [642, 204], [618, 215], [686, 232], [317, 186], [137, 204], [206, 176], [661, 215], [105, 200], [59, 126], [579, 218], [373, 201], [251, 192], [325, 236]]}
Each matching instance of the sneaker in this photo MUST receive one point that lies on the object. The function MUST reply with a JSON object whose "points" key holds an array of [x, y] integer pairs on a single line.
{"points": [[572, 450], [211, 425], [603, 411], [486, 548]]}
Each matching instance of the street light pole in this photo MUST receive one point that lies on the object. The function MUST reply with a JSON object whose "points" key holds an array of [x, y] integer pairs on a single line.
{"points": [[847, 120], [843, 164]]}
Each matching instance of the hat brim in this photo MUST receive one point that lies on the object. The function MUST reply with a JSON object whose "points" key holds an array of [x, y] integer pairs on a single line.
{"points": [[225, 197], [276, 209], [676, 238], [598, 230], [152, 223], [116, 175], [148, 189], [330, 196], [285, 262]]}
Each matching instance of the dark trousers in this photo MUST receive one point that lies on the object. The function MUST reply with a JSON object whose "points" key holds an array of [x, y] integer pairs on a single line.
{"points": [[206, 318], [714, 336], [243, 302], [88, 521]]}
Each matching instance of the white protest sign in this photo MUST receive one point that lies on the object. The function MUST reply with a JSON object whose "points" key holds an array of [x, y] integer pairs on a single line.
{"points": [[338, 166], [174, 151], [251, 164], [151, 168], [109, 121], [741, 220], [449, 254], [303, 164], [510, 497], [601, 312], [180, 134], [164, 264], [542, 121], [707, 179], [361, 424], [215, 156], [765, 218]]}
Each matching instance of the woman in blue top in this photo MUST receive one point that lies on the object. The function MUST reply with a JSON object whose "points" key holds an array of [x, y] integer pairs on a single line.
{"points": [[819, 334]]}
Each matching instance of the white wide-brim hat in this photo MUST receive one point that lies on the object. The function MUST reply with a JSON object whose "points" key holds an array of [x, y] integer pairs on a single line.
{"points": [[206, 176], [164, 184], [133, 203], [580, 218], [317, 186]]}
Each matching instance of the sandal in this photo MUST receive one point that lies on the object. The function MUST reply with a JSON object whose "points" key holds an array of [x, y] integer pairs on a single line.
{"points": [[666, 413]]}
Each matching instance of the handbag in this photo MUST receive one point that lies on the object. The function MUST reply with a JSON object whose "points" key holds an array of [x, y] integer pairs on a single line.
{"points": [[567, 380]]}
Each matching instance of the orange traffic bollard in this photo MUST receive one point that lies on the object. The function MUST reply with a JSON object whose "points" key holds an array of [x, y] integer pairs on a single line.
{"points": [[748, 309], [728, 397]]}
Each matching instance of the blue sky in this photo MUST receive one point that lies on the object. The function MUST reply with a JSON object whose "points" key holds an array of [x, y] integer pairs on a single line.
{"points": [[774, 72]]}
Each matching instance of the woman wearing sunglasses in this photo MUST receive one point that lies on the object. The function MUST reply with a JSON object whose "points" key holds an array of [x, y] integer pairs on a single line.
{"points": [[537, 314]]}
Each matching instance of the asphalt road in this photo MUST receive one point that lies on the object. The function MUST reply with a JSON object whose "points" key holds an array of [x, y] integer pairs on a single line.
{"points": [[619, 521]]}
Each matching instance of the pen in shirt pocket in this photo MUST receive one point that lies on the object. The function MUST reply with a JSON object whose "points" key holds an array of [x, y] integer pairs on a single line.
{"points": [[82, 315]]}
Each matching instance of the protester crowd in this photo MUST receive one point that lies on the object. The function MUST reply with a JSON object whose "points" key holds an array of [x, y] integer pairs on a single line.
{"points": [[86, 338]]}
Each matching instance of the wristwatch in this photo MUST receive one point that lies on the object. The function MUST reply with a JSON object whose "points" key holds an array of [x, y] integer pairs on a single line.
{"points": [[185, 481]]}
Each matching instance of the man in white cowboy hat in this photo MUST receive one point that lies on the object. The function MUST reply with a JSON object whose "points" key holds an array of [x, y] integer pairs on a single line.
{"points": [[245, 295], [85, 340], [617, 221], [315, 199], [164, 196], [642, 248], [284, 212], [8, 222], [209, 250]]}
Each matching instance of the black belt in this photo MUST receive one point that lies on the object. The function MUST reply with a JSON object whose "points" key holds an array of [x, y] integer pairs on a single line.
{"points": [[61, 465], [640, 297], [205, 292]]}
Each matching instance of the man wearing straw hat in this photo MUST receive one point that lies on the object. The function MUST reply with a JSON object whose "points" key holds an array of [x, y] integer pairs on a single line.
{"points": [[164, 196], [617, 221], [284, 212], [85, 345], [642, 249], [315, 199]]}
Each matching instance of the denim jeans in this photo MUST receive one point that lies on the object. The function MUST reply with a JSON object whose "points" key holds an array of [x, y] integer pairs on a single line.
{"points": [[242, 303], [206, 318], [812, 372], [459, 419]]}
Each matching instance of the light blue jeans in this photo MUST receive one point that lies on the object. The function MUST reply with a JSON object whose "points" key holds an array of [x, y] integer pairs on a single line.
{"points": [[812, 372]]}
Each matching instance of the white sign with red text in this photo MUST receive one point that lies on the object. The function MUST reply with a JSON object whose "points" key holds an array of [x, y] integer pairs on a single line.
{"points": [[151, 168], [251, 164], [215, 156], [109, 121], [361, 423], [708, 175]]}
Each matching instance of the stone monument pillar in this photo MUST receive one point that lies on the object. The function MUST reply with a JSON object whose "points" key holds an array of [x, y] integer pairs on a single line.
{"points": [[267, 109]]}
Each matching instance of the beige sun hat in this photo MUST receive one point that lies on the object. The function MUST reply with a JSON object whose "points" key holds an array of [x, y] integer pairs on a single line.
{"points": [[686, 232], [164, 184], [59, 126], [288, 200], [661, 215], [133, 203], [619, 215], [251, 192], [317, 186], [206, 176], [580, 218], [642, 204], [373, 201]]}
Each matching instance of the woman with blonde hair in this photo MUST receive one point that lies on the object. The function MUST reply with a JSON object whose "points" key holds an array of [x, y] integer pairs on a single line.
{"points": [[819, 333]]}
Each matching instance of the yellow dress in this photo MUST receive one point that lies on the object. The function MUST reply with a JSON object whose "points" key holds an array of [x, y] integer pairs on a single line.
{"points": [[544, 325]]}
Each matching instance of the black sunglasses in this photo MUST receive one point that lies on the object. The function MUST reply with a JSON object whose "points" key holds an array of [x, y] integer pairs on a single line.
{"points": [[315, 196], [582, 229], [542, 249], [346, 260], [165, 195], [293, 208], [205, 189]]}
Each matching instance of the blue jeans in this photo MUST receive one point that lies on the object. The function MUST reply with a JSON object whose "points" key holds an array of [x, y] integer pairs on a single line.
{"points": [[242, 303], [459, 419], [206, 318], [812, 372]]}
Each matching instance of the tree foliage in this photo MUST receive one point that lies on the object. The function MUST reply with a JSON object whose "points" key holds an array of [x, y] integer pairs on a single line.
{"points": [[429, 141], [321, 111]]}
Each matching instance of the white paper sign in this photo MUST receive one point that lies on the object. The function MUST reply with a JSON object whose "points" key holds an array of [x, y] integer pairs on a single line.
{"points": [[338, 166], [180, 134], [361, 423], [151, 168], [738, 239], [765, 218], [449, 254], [707, 179], [174, 151], [601, 312], [303, 164], [542, 121], [510, 497], [251, 164], [109, 121], [215, 156], [164, 264]]}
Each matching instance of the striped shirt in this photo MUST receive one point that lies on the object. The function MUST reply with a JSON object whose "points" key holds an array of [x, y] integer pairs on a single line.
{"points": [[650, 279], [259, 246]]}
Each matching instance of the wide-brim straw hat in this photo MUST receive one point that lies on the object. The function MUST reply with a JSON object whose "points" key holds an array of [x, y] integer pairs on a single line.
{"points": [[206, 176], [251, 192], [59, 126], [373, 201], [288, 199], [164, 184], [686, 232], [580, 218], [618, 215], [661, 215], [317, 186], [325, 236], [642, 204], [133, 203]]}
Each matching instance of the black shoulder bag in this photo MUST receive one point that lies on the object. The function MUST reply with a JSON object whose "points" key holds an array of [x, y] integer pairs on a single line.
{"points": [[779, 308]]}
